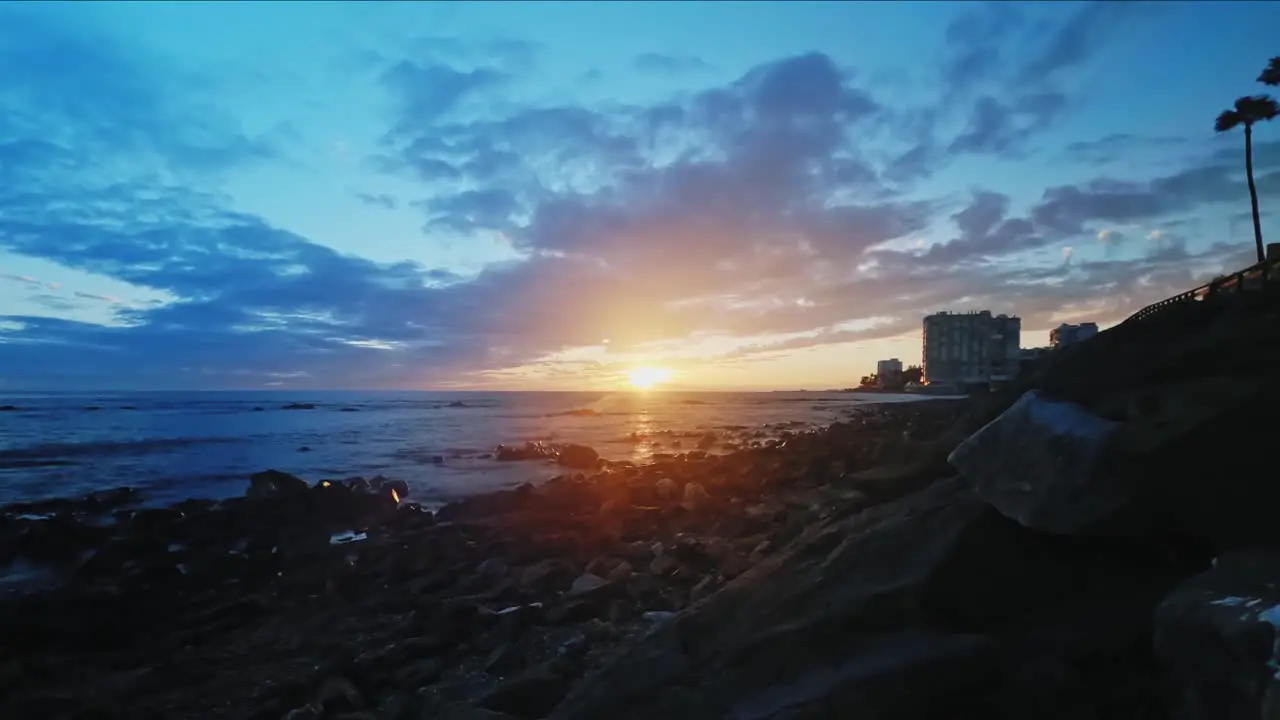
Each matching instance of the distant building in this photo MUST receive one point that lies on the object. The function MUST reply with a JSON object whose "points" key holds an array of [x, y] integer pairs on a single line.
{"points": [[971, 348], [1065, 334], [892, 366]]}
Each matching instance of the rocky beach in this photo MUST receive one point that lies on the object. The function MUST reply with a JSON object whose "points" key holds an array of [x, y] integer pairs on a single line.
{"points": [[869, 569]]}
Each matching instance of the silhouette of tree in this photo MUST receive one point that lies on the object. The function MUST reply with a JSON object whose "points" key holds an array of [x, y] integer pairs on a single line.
{"points": [[1246, 112], [1271, 76]]}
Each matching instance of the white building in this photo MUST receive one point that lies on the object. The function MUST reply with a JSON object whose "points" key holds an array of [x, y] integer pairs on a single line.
{"points": [[1065, 334], [971, 348], [892, 366]]}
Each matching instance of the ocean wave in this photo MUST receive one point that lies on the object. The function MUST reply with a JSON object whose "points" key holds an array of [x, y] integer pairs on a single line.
{"points": [[61, 451]]}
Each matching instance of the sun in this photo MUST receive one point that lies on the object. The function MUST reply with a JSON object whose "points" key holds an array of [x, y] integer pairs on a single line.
{"points": [[644, 378]]}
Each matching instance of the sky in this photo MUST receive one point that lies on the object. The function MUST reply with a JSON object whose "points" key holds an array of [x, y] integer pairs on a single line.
{"points": [[549, 195]]}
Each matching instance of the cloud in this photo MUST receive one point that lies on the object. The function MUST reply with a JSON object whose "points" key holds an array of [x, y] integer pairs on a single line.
{"points": [[23, 279], [762, 211], [102, 298], [382, 200], [1116, 147], [659, 63]]}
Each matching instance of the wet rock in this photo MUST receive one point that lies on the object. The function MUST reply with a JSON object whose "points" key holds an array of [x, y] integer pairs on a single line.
{"points": [[696, 497], [528, 451], [1218, 640], [299, 406], [578, 456], [668, 490], [273, 483]]}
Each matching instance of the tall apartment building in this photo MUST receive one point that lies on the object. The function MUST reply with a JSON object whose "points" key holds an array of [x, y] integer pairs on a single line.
{"points": [[971, 348], [892, 366]]}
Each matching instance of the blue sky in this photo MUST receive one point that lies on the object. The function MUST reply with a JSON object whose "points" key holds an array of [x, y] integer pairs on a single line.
{"points": [[502, 195]]}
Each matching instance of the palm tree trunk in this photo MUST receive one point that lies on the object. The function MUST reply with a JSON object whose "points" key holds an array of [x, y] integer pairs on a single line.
{"points": [[1253, 190]]}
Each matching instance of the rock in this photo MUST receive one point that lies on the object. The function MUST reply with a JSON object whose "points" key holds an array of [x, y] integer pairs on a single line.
{"points": [[1218, 640], [532, 694], [273, 483], [578, 456], [837, 619], [731, 566], [337, 694], [695, 496], [529, 451], [704, 588], [299, 406], [493, 568], [667, 489], [620, 573], [544, 575], [585, 585], [503, 657], [1133, 464], [664, 565]]}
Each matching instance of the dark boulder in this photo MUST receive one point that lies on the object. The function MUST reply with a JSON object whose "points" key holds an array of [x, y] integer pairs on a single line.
{"points": [[578, 456], [1218, 640], [274, 483], [1135, 465]]}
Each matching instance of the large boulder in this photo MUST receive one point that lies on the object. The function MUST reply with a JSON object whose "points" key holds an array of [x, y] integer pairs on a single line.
{"points": [[274, 483], [1218, 641], [1040, 464], [902, 608], [578, 456], [1175, 459]]}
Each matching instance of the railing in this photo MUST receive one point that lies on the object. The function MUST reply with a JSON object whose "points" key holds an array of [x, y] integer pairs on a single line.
{"points": [[1251, 279]]}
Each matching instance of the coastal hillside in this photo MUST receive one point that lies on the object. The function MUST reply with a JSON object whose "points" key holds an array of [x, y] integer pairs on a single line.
{"points": [[1042, 581]]}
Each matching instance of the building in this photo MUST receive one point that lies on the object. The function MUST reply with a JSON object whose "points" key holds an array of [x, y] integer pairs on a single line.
{"points": [[974, 348], [1066, 334], [892, 366]]}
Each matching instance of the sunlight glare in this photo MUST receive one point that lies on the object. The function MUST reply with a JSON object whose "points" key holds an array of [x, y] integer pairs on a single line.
{"points": [[643, 378]]}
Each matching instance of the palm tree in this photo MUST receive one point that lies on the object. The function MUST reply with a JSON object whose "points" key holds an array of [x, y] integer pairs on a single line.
{"points": [[1271, 76], [1246, 112]]}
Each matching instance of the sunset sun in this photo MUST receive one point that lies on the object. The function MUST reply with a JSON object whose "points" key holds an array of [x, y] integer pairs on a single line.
{"points": [[644, 378]]}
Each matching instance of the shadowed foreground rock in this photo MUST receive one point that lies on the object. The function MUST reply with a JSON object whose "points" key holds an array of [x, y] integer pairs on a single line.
{"points": [[1218, 639]]}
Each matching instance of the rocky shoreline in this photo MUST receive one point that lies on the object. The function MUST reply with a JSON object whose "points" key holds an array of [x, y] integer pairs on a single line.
{"points": [[346, 599]]}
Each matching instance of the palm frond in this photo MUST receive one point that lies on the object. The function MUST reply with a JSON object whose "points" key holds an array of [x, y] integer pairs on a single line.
{"points": [[1271, 76], [1227, 120], [1255, 108]]}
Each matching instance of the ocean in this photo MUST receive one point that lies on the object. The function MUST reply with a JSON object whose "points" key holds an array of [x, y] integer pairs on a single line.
{"points": [[172, 446]]}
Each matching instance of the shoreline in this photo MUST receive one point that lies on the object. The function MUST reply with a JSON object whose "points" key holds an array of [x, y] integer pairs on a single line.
{"points": [[206, 452], [413, 608]]}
